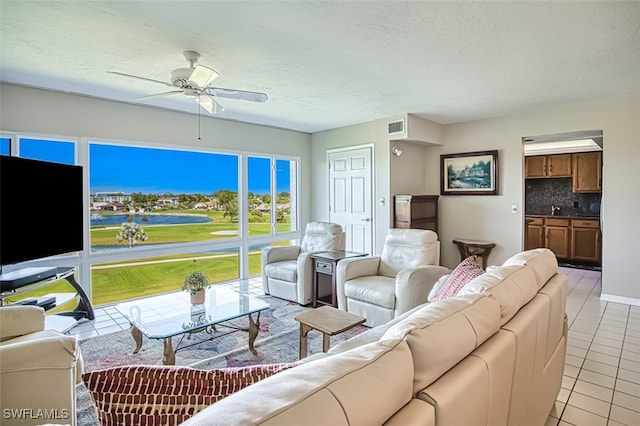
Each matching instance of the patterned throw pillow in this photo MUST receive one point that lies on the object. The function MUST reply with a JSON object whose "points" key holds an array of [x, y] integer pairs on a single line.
{"points": [[165, 395], [467, 270]]}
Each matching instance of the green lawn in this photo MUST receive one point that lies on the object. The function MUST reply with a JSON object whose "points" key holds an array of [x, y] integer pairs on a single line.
{"points": [[143, 277], [117, 281]]}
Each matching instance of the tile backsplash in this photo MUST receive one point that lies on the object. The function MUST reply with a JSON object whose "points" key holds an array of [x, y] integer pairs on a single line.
{"points": [[541, 194]]}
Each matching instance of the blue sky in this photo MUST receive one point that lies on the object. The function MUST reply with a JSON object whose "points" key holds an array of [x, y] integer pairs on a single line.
{"points": [[132, 169]]}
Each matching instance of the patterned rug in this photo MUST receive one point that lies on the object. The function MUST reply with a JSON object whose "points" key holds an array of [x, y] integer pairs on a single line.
{"points": [[277, 341]]}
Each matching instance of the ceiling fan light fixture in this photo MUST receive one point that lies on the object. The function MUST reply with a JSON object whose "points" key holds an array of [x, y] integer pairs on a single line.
{"points": [[209, 105], [202, 76]]}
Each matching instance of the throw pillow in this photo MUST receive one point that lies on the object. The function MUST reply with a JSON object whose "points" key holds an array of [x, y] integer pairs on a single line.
{"points": [[437, 286], [165, 395], [467, 270]]}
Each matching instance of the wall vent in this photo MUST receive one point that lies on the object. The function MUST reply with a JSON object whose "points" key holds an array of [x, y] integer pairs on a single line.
{"points": [[395, 127]]}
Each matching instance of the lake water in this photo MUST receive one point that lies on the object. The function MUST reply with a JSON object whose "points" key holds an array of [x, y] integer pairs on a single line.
{"points": [[118, 219]]}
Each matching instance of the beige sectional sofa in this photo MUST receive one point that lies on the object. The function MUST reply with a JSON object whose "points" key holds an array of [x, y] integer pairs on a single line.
{"points": [[39, 369], [492, 355]]}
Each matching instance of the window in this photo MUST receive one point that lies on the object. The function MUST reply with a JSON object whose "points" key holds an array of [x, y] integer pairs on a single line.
{"points": [[5, 146], [265, 187], [169, 196], [286, 195], [48, 150], [157, 213], [129, 279]]}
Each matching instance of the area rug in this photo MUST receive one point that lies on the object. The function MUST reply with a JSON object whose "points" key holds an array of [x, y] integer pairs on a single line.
{"points": [[277, 341]]}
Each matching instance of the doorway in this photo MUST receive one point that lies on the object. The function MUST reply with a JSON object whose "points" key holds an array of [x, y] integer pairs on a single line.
{"points": [[350, 194], [563, 196]]}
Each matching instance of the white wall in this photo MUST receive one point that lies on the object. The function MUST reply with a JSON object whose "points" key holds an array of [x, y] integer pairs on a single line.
{"points": [[481, 217], [489, 218], [31, 110]]}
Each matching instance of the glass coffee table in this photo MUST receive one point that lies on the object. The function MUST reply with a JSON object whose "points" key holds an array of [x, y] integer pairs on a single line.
{"points": [[169, 315]]}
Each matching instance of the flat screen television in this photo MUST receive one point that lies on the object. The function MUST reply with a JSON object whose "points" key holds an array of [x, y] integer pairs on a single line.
{"points": [[41, 209]]}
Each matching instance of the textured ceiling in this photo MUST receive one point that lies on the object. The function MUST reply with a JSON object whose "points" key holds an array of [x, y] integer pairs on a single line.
{"points": [[327, 64]]}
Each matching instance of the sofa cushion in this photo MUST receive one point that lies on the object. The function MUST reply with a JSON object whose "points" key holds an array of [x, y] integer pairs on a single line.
{"points": [[164, 395], [511, 286], [467, 270], [442, 333], [286, 270], [339, 389], [542, 262]]}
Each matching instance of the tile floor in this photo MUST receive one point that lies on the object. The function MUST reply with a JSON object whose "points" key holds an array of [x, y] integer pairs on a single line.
{"points": [[601, 384]]}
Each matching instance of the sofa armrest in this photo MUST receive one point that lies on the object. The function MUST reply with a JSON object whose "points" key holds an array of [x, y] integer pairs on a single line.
{"points": [[49, 353], [414, 284], [348, 269], [20, 320]]}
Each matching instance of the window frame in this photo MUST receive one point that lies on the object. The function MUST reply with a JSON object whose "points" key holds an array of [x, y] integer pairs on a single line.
{"points": [[84, 260]]}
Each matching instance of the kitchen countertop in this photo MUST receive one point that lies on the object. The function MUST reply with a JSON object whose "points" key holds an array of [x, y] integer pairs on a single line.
{"points": [[565, 216]]}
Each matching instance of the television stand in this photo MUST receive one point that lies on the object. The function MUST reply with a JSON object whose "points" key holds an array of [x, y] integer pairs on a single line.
{"points": [[62, 318]]}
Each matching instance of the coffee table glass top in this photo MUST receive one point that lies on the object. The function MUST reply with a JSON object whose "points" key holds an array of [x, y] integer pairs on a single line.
{"points": [[168, 315]]}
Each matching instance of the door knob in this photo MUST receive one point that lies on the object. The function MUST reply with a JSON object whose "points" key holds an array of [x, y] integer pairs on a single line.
{"points": [[366, 219]]}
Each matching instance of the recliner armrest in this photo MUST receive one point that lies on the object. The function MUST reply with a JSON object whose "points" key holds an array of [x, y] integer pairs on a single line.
{"points": [[349, 269], [20, 320], [414, 284], [280, 253]]}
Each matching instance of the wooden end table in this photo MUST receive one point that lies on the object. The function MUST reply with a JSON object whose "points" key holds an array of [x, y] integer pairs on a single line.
{"points": [[329, 321], [474, 248], [325, 263]]}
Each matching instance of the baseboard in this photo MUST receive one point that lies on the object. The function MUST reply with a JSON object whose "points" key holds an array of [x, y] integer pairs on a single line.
{"points": [[620, 299]]}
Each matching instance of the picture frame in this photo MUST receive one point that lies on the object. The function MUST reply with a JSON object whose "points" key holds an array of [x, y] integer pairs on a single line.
{"points": [[470, 173]]}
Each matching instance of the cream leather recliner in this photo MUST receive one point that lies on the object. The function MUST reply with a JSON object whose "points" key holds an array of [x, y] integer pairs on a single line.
{"points": [[382, 287], [39, 369], [287, 271]]}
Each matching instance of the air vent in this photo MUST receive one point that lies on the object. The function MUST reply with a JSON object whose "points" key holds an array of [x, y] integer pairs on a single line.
{"points": [[395, 127]]}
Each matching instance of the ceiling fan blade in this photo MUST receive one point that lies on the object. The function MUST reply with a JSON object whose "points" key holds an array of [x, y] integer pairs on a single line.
{"points": [[157, 95], [207, 102], [237, 94], [202, 76], [140, 78]]}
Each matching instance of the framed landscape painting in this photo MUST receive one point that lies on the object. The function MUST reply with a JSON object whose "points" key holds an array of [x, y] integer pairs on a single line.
{"points": [[471, 173]]}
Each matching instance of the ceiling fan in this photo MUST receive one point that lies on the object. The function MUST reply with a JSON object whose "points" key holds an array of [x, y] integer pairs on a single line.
{"points": [[194, 82]]}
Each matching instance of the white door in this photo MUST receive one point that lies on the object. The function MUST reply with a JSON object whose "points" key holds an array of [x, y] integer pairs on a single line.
{"points": [[350, 193]]}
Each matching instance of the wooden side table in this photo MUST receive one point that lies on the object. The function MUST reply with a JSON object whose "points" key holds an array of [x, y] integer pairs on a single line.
{"points": [[329, 321], [325, 263], [474, 248]]}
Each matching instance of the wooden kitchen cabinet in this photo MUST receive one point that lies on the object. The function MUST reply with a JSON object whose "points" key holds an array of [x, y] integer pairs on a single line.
{"points": [[535, 166], [585, 240], [534, 233], [587, 172], [571, 239], [556, 165], [416, 212], [558, 237]]}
